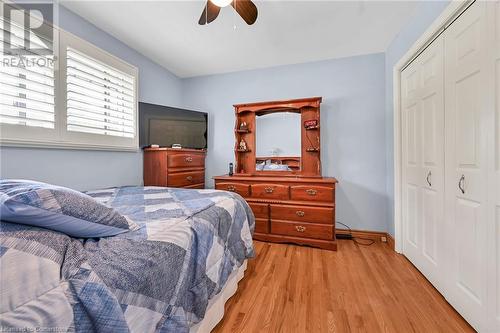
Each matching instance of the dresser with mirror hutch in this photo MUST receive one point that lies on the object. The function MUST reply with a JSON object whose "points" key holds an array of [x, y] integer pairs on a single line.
{"points": [[278, 172]]}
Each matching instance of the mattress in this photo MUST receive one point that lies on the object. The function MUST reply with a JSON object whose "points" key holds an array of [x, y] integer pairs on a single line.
{"points": [[215, 309], [176, 271]]}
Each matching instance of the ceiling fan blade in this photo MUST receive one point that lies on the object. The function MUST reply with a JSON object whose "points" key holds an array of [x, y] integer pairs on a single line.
{"points": [[210, 13], [246, 9]]}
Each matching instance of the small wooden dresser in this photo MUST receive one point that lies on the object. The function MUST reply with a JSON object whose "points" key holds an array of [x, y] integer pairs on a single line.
{"points": [[174, 167], [288, 209]]}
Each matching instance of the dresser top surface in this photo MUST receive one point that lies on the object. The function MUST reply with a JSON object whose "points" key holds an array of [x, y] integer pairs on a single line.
{"points": [[175, 150], [291, 179]]}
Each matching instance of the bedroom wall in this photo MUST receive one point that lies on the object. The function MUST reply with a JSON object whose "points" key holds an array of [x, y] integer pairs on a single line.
{"points": [[87, 169], [353, 124], [424, 16]]}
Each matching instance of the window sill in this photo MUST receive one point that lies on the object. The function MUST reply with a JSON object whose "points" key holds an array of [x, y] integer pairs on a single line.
{"points": [[64, 145]]}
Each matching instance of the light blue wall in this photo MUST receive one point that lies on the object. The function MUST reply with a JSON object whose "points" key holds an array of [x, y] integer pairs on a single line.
{"points": [[352, 123], [94, 169], [424, 16], [357, 119]]}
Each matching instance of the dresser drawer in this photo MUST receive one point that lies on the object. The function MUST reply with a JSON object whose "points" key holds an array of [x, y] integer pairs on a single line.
{"points": [[311, 193], [270, 191], [297, 229], [185, 178], [241, 189], [200, 186], [260, 210], [302, 213], [185, 160], [262, 226]]}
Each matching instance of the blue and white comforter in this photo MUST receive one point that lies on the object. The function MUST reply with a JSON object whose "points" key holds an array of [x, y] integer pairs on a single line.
{"points": [[156, 279]]}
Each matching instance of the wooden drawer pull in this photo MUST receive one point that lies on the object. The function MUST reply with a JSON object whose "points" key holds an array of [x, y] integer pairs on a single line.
{"points": [[300, 228], [300, 213], [311, 192], [189, 178], [269, 190], [189, 159], [231, 188]]}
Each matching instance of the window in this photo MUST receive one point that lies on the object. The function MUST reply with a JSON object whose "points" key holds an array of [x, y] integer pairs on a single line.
{"points": [[100, 99], [86, 99], [27, 82]]}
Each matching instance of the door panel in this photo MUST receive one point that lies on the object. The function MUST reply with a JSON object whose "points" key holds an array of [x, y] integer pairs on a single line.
{"points": [[412, 209], [467, 101], [469, 254], [429, 119], [423, 160], [429, 245], [495, 174], [466, 76], [497, 282]]}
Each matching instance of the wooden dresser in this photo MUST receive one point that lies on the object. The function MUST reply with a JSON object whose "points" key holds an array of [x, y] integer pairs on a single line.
{"points": [[288, 209], [174, 167], [291, 200]]}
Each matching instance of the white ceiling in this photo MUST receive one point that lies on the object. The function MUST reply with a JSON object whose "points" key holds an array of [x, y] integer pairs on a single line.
{"points": [[286, 32]]}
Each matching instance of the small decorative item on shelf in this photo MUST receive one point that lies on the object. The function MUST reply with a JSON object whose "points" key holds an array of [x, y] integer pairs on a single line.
{"points": [[242, 146], [244, 126], [311, 124], [230, 169]]}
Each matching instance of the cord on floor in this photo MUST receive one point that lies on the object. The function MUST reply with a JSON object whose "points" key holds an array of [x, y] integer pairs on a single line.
{"points": [[365, 241]]}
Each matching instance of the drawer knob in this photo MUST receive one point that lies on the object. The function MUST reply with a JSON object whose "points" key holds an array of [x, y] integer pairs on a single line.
{"points": [[231, 188], [269, 190], [311, 192], [300, 228], [189, 178], [189, 159], [300, 213]]}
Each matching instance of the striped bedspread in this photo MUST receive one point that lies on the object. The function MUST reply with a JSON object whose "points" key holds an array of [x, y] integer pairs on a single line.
{"points": [[156, 279]]}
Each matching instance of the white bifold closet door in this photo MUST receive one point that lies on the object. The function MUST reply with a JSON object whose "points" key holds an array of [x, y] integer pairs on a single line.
{"points": [[423, 161], [494, 188], [467, 105], [450, 107]]}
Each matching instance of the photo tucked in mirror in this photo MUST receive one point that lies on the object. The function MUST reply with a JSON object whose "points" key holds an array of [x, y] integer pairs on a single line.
{"points": [[278, 144]]}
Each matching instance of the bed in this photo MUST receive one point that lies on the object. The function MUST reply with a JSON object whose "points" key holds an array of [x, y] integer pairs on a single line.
{"points": [[173, 274]]}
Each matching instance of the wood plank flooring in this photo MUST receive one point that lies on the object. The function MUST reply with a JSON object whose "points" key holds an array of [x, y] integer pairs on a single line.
{"points": [[290, 288]]}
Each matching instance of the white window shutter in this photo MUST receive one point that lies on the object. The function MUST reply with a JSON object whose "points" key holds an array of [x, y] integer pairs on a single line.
{"points": [[100, 98], [27, 83]]}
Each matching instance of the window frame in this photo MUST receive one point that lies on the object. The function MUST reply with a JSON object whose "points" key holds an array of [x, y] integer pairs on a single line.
{"points": [[12, 135]]}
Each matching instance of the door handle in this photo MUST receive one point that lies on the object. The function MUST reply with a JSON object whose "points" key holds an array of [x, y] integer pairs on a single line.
{"points": [[300, 213], [429, 174], [461, 183], [189, 159], [189, 178], [231, 188]]}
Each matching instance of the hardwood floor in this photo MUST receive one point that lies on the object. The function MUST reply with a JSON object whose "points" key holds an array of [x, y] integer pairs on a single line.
{"points": [[289, 288]]}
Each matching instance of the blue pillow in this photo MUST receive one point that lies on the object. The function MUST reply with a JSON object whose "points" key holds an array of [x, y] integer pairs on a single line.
{"points": [[60, 209]]}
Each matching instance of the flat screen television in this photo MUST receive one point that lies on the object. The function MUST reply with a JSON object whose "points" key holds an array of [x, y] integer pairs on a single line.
{"points": [[165, 126]]}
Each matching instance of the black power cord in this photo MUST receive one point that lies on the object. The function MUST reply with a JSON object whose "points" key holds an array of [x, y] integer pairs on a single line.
{"points": [[366, 241]]}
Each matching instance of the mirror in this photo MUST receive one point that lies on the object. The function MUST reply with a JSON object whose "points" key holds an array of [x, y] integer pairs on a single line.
{"points": [[278, 143]]}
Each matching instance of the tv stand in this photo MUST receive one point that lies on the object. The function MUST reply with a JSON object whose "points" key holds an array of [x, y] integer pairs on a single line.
{"points": [[174, 167]]}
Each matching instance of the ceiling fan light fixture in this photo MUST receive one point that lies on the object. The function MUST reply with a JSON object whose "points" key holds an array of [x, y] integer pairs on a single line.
{"points": [[221, 3]]}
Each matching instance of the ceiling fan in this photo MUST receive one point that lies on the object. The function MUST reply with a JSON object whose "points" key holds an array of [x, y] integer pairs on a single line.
{"points": [[245, 8]]}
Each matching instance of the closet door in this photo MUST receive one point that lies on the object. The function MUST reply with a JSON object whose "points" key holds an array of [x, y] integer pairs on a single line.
{"points": [[423, 160], [467, 107], [494, 284]]}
